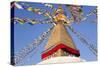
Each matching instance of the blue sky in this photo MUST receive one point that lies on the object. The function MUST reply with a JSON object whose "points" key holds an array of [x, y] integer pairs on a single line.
{"points": [[25, 34]]}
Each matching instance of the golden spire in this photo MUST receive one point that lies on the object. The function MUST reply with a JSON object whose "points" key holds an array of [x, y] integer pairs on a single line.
{"points": [[59, 16], [59, 10]]}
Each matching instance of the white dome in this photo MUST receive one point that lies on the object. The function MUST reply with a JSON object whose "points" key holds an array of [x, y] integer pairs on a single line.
{"points": [[56, 60]]}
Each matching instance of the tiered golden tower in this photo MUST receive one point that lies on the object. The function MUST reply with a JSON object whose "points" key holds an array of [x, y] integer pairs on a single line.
{"points": [[60, 42]]}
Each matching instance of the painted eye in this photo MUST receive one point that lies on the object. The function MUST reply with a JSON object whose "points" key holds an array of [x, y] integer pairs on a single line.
{"points": [[65, 22]]}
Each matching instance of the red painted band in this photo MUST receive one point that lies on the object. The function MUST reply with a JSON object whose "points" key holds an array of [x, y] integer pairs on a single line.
{"points": [[60, 46]]}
